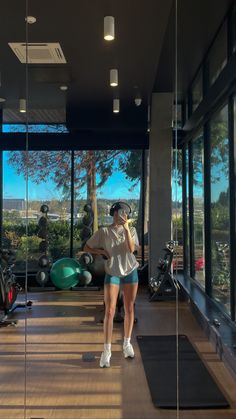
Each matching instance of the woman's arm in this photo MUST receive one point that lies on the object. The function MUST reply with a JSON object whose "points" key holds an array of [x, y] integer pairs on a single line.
{"points": [[96, 251], [129, 240]]}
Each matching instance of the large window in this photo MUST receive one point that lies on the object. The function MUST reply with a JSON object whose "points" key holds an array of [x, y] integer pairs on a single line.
{"points": [[198, 209], [49, 182], [220, 217], [187, 210], [103, 177], [177, 216], [98, 179]]}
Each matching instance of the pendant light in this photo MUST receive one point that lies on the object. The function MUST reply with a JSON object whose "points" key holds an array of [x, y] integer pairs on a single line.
{"points": [[22, 105], [109, 28], [116, 105], [113, 77]]}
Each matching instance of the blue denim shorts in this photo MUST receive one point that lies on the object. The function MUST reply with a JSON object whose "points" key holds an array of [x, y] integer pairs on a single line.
{"points": [[131, 278]]}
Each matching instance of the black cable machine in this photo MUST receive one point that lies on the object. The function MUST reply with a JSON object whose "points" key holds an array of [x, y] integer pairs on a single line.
{"points": [[163, 285]]}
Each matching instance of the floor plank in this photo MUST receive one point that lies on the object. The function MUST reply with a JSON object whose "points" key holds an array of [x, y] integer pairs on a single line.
{"points": [[64, 326]]}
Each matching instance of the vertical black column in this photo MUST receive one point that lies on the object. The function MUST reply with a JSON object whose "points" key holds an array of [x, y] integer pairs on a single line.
{"points": [[1, 181], [184, 211], [143, 190], [232, 186], [191, 209], [207, 212], [72, 202]]}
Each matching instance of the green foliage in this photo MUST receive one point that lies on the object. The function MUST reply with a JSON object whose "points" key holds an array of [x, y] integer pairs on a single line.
{"points": [[130, 163], [220, 217]]}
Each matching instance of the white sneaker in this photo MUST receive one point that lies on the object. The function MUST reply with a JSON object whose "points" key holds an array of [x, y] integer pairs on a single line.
{"points": [[105, 359], [128, 351]]}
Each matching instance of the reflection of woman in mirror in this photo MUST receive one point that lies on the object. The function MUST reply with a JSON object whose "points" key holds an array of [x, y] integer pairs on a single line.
{"points": [[117, 243]]}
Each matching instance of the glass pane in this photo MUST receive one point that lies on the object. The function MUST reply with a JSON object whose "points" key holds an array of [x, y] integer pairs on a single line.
{"points": [[177, 216], [49, 174], [103, 177], [198, 209], [197, 91], [220, 233], [187, 210], [12, 225], [218, 54]]}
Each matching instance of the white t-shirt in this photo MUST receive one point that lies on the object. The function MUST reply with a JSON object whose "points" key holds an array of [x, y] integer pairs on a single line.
{"points": [[121, 262]]}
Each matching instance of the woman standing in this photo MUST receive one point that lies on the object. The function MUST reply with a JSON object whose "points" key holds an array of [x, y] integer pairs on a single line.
{"points": [[117, 244]]}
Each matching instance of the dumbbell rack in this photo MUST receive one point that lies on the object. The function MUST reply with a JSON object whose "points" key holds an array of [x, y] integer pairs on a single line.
{"points": [[43, 247]]}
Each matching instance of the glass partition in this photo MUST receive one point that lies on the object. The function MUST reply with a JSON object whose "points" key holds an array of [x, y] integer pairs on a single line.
{"points": [[177, 215], [187, 211], [13, 247], [69, 192], [220, 217], [198, 209], [118, 177]]}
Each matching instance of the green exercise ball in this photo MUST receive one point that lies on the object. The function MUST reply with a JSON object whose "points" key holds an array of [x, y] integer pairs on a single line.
{"points": [[65, 273]]}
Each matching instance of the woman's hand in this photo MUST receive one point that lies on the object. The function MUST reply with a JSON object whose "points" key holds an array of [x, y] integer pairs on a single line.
{"points": [[124, 222], [104, 253]]}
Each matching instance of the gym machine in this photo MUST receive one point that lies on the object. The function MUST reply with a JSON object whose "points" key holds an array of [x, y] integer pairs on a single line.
{"points": [[163, 285], [9, 288]]}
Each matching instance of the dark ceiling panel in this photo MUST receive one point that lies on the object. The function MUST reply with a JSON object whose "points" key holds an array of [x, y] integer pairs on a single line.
{"points": [[78, 27], [198, 21]]}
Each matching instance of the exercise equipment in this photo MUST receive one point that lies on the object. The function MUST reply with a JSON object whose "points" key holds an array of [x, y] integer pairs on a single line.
{"points": [[42, 277], [42, 234], [44, 262], [44, 208], [85, 277], [9, 288], [65, 273], [197, 388], [163, 285], [97, 267], [43, 245], [85, 259], [87, 221]]}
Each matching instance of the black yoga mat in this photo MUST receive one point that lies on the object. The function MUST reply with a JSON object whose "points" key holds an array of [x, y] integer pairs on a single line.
{"points": [[197, 389]]}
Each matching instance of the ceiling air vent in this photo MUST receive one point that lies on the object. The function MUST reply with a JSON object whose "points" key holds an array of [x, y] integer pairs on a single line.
{"points": [[39, 53]]}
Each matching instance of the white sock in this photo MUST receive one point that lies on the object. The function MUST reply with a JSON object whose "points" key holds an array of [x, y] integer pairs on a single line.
{"points": [[126, 341], [107, 347]]}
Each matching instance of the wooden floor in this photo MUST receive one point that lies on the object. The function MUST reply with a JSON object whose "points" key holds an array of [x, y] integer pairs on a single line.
{"points": [[61, 327]]}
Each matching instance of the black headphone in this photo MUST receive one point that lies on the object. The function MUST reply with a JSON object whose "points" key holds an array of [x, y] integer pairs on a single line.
{"points": [[120, 205]]}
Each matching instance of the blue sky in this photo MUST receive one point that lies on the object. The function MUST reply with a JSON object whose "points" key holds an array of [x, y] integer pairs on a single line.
{"points": [[117, 187], [14, 186]]}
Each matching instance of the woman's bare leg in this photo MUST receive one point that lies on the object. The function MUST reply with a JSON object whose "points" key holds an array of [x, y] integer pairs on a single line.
{"points": [[110, 298], [130, 292]]}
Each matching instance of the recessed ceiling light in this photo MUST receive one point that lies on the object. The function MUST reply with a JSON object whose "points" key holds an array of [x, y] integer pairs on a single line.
{"points": [[2, 99], [63, 88], [30, 19], [109, 28]]}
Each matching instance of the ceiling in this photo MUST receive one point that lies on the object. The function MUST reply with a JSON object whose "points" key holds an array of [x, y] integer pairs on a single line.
{"points": [[78, 27], [197, 24], [143, 52]]}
